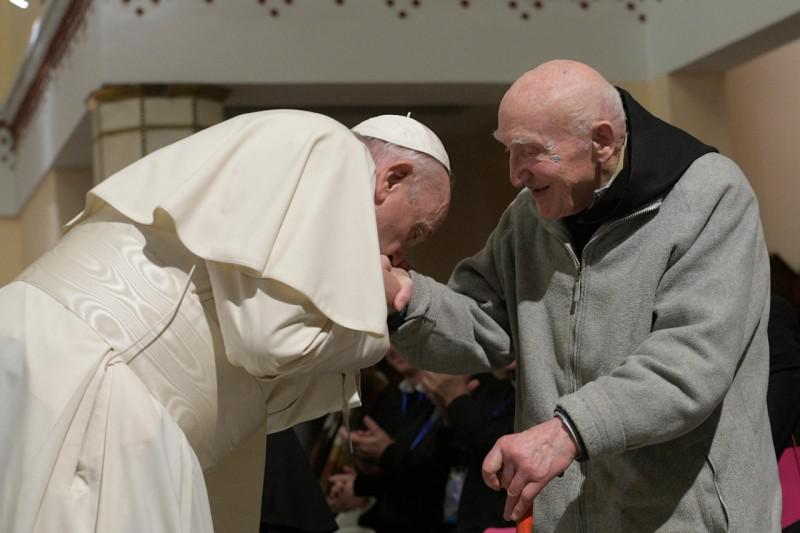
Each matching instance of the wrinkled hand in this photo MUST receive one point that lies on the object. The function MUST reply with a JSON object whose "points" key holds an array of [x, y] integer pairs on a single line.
{"points": [[370, 443], [444, 388], [397, 285], [341, 496], [523, 463]]}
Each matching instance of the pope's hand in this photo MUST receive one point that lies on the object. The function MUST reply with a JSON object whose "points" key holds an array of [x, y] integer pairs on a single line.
{"points": [[523, 463]]}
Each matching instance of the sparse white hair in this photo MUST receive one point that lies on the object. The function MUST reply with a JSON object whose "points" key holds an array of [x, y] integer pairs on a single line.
{"points": [[607, 106]]}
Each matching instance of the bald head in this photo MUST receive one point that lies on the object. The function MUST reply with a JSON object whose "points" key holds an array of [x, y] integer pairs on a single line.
{"points": [[567, 95], [563, 125]]}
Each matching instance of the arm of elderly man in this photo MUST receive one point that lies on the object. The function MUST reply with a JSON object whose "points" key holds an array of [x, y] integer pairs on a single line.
{"points": [[694, 273], [474, 335]]}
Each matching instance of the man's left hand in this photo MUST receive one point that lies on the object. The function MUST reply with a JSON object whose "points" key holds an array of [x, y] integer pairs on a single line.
{"points": [[342, 497], [370, 443], [523, 463]]}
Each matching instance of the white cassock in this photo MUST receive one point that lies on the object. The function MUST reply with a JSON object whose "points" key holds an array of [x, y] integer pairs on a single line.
{"points": [[228, 279]]}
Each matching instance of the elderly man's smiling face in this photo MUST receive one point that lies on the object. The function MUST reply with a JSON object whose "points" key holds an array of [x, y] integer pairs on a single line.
{"points": [[546, 156]]}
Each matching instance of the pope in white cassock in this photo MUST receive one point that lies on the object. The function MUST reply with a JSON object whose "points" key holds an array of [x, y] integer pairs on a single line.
{"points": [[230, 278]]}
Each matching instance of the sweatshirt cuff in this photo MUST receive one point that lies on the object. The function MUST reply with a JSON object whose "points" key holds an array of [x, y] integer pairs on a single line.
{"points": [[410, 331], [573, 432], [396, 319], [595, 419]]}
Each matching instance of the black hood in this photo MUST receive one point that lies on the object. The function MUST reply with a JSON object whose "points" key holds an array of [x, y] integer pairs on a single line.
{"points": [[656, 156]]}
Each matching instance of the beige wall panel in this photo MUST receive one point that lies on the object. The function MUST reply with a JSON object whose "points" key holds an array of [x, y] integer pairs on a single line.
{"points": [[119, 151], [119, 115], [697, 102], [209, 112], [57, 199], [171, 111], [652, 94], [156, 139], [71, 188], [97, 162], [39, 221], [764, 114], [55, 202], [11, 245]]}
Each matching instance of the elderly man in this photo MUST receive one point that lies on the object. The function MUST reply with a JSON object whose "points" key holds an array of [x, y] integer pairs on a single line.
{"points": [[231, 278], [630, 281]]}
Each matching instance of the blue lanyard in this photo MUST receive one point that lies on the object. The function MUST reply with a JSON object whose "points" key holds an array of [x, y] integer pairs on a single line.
{"points": [[424, 430], [404, 401]]}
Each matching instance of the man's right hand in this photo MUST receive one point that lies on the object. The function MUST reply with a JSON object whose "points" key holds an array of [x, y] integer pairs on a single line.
{"points": [[523, 463], [397, 285]]}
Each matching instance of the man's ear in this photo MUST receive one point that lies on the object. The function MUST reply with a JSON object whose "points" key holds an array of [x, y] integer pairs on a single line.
{"points": [[381, 185], [389, 177], [603, 141]]}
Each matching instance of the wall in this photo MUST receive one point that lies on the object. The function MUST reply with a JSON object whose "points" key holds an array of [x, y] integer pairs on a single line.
{"points": [[15, 31], [60, 111], [39, 221], [11, 246], [697, 105], [57, 199], [683, 32], [764, 114], [360, 41]]}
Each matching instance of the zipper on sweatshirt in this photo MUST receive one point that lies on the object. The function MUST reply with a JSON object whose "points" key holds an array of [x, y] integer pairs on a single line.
{"points": [[603, 230], [576, 293], [573, 309], [576, 297], [576, 286]]}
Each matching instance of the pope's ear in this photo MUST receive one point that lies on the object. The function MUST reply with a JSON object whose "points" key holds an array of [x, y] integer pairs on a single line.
{"points": [[389, 177], [381, 185], [397, 172]]}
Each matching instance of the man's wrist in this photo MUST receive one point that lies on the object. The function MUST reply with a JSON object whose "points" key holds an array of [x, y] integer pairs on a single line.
{"points": [[396, 319], [573, 432]]}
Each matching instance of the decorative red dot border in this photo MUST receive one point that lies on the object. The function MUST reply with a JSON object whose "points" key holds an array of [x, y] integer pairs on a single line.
{"points": [[404, 8]]}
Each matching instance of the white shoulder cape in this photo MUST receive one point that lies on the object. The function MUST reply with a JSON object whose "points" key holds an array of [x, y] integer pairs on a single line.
{"points": [[285, 195]]}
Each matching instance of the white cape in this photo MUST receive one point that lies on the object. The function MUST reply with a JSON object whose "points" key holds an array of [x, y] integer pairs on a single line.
{"points": [[256, 191]]}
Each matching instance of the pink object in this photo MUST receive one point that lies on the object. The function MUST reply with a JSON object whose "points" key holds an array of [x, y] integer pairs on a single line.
{"points": [[789, 474]]}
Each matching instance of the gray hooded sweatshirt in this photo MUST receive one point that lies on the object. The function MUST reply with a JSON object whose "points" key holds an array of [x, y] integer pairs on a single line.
{"points": [[653, 341]]}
